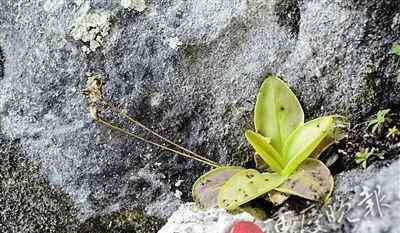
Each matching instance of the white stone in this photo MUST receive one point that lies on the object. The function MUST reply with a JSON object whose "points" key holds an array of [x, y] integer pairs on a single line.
{"points": [[188, 218], [178, 183], [137, 5], [174, 43], [178, 194]]}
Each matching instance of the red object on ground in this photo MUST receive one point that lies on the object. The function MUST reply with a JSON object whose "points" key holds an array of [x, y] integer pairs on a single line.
{"points": [[245, 227]]}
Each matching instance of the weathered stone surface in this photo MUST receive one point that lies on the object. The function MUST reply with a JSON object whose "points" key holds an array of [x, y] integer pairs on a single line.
{"points": [[342, 49], [376, 199], [190, 70]]}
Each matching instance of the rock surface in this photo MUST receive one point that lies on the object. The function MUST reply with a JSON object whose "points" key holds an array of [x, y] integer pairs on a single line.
{"points": [[188, 69], [377, 198]]}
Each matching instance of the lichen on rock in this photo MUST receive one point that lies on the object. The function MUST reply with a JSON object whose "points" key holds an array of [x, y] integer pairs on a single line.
{"points": [[91, 28], [137, 5]]}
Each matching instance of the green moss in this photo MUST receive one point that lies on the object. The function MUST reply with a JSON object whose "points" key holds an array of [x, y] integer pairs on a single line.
{"points": [[28, 202], [372, 76], [191, 52], [122, 222], [369, 87]]}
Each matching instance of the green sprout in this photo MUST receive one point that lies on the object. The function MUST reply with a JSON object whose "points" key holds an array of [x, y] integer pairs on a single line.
{"points": [[393, 132], [395, 49], [377, 122], [364, 155]]}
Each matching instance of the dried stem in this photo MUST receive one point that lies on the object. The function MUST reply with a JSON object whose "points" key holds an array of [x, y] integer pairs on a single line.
{"points": [[117, 128], [136, 122]]}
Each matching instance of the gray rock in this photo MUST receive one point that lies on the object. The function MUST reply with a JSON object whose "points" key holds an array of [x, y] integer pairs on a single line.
{"points": [[188, 69], [376, 198]]}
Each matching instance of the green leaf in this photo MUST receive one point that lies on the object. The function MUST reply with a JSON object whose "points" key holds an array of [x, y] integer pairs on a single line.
{"points": [[312, 180], [337, 133], [205, 189], [277, 111], [245, 186], [304, 140], [364, 155], [265, 150], [364, 164], [379, 120], [395, 49]]}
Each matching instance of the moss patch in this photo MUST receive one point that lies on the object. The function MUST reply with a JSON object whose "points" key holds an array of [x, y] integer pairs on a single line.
{"points": [[27, 202], [191, 52], [122, 222]]}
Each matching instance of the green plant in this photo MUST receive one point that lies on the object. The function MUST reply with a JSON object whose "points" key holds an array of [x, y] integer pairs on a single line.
{"points": [[395, 49], [393, 132], [287, 146], [377, 122], [364, 155]]}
